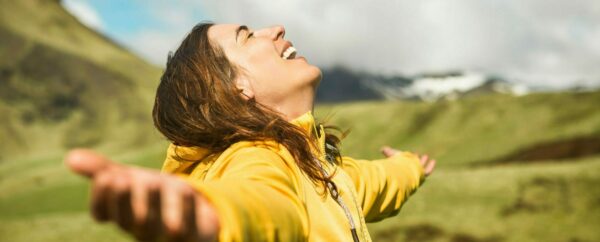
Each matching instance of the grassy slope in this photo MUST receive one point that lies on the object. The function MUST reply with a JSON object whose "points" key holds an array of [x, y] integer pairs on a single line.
{"points": [[527, 202], [471, 130], [41, 201], [456, 203], [64, 85], [541, 202], [45, 21]]}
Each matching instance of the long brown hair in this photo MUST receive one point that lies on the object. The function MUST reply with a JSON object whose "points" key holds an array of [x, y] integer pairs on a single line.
{"points": [[198, 104]]}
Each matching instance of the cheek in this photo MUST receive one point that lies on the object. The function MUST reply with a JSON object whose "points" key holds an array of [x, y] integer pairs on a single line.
{"points": [[262, 51], [268, 73], [273, 85], [273, 79], [263, 63], [264, 66]]}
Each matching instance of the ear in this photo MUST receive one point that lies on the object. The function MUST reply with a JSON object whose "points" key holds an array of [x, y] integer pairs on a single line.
{"points": [[245, 87]]}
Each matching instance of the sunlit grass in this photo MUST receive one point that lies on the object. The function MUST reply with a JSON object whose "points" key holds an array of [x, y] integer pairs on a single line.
{"points": [[461, 132], [551, 201], [531, 202]]}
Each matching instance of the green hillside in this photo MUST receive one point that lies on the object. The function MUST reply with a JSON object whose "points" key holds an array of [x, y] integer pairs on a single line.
{"points": [[63, 85], [546, 200], [473, 130], [491, 183], [509, 168]]}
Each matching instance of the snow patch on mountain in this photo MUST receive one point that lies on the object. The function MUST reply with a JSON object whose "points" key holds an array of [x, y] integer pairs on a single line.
{"points": [[443, 86]]}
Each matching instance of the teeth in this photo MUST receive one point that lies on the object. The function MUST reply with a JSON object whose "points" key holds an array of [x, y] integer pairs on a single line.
{"points": [[288, 52]]}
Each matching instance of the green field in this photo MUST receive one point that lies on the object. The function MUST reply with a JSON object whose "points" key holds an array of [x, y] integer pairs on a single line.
{"points": [[471, 197], [509, 168]]}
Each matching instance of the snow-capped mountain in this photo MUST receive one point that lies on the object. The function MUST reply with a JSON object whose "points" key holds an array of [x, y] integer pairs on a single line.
{"points": [[450, 85], [340, 84]]}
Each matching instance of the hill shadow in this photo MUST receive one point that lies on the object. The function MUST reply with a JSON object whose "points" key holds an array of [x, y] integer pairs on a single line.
{"points": [[555, 151], [428, 232]]}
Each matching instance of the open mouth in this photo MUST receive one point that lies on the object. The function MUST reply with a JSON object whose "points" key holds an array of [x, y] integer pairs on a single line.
{"points": [[289, 53]]}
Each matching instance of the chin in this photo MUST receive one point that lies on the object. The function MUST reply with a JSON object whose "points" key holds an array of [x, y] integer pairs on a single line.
{"points": [[305, 75], [315, 75]]}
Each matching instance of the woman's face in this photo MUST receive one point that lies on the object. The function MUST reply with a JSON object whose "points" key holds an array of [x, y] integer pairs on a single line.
{"points": [[271, 72]]}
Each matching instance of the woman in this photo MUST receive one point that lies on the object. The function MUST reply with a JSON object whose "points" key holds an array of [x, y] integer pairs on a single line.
{"points": [[247, 160]]}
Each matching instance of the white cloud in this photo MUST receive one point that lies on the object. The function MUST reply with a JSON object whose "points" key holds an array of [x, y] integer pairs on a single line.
{"points": [[154, 45], [537, 42], [540, 42], [84, 12]]}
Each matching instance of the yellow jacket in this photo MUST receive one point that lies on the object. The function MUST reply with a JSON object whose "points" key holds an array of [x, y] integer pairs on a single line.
{"points": [[260, 194]]}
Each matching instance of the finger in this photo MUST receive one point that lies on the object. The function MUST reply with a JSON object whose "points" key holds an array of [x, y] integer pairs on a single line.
{"points": [[388, 151], [139, 197], [86, 162], [207, 221], [121, 211], [424, 160], [429, 168], [172, 209], [153, 225], [146, 207], [100, 196], [189, 216]]}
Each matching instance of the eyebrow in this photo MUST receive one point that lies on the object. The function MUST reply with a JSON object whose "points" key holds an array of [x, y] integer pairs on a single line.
{"points": [[238, 30]]}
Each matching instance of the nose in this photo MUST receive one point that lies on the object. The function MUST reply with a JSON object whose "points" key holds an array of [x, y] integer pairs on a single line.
{"points": [[274, 32]]}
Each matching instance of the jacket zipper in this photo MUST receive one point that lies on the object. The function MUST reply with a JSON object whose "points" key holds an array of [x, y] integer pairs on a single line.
{"points": [[335, 194]]}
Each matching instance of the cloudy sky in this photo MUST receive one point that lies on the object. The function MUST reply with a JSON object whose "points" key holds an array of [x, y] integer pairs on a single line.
{"points": [[552, 43]]}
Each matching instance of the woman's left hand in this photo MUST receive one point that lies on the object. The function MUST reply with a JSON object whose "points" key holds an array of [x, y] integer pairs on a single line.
{"points": [[427, 163], [149, 205]]}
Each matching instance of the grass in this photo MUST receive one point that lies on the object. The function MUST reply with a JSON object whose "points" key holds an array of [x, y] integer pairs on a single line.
{"points": [[545, 201], [537, 202], [65, 85], [471, 130], [541, 202], [59, 227]]}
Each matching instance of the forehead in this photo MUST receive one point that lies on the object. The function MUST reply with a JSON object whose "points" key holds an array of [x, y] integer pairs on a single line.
{"points": [[223, 34]]}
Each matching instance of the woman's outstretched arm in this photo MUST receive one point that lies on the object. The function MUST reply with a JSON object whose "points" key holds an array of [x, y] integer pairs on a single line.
{"points": [[149, 205], [256, 193], [384, 185]]}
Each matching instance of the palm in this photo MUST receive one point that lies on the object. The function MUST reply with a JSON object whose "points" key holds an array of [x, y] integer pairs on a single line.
{"points": [[147, 204]]}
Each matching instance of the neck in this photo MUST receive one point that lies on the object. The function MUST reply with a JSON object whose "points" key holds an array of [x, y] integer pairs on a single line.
{"points": [[296, 105]]}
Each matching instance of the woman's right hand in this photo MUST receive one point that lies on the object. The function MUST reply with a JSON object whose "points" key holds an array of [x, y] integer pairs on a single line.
{"points": [[426, 162], [150, 205]]}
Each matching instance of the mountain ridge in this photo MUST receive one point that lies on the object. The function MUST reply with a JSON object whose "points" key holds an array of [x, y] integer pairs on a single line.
{"points": [[63, 85]]}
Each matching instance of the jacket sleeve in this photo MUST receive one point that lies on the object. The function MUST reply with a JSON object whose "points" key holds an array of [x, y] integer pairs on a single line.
{"points": [[256, 197], [384, 185]]}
